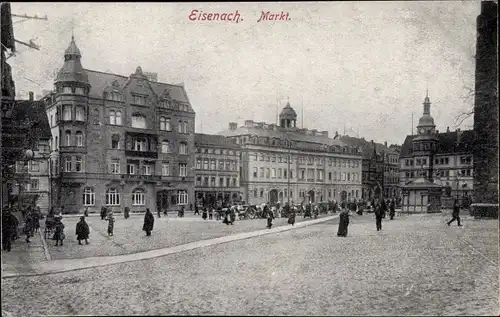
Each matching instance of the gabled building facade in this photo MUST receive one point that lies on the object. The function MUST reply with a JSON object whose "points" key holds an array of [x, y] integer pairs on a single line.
{"points": [[119, 141]]}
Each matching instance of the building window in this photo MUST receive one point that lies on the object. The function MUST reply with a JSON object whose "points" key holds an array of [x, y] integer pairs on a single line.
{"points": [[255, 172], [66, 113], [146, 169], [212, 181], [268, 172], [79, 138], [182, 169], [80, 114], [198, 163], [255, 193], [68, 138], [205, 164], [139, 100], [34, 184], [67, 90], [140, 145], [285, 174], [78, 164], [34, 166], [273, 173], [131, 169], [112, 117], [183, 150], [118, 118], [67, 165], [88, 196], [138, 198], [182, 197], [112, 197], [115, 141], [115, 167], [138, 121], [165, 146], [165, 169], [163, 123], [234, 182]]}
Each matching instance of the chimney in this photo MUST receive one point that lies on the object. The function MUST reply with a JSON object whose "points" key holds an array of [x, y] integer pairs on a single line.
{"points": [[233, 125], [459, 134], [385, 143], [31, 96], [248, 123], [447, 129]]}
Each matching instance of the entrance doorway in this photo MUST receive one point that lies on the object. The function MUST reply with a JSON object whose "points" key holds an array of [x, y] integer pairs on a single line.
{"points": [[310, 194], [162, 200], [273, 196]]}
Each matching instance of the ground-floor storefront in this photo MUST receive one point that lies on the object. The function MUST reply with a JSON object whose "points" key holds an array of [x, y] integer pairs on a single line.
{"points": [[116, 195], [272, 193], [217, 197]]}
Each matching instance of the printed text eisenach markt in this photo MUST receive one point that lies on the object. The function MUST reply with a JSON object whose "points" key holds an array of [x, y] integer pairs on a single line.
{"points": [[269, 16], [198, 15]]}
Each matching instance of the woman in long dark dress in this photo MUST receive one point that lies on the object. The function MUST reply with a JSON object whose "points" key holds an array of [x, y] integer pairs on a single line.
{"points": [[343, 223], [149, 221], [291, 214], [204, 213], [82, 231]]}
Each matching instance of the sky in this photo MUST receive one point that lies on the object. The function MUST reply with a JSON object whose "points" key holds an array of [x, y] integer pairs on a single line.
{"points": [[358, 67]]}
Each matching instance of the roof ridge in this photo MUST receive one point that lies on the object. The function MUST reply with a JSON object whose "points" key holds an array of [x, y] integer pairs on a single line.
{"points": [[126, 77]]}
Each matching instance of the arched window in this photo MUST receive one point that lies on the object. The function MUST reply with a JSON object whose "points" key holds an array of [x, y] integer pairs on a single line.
{"points": [[68, 137], [163, 123], [183, 149], [168, 126], [180, 127], [88, 196], [138, 198], [119, 118], [185, 127], [138, 121], [79, 138], [115, 141], [112, 197], [79, 114], [165, 146], [112, 117]]}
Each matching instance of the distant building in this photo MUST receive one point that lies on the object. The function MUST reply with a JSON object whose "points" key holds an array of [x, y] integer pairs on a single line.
{"points": [[217, 170], [281, 163], [120, 141], [380, 168], [444, 158]]}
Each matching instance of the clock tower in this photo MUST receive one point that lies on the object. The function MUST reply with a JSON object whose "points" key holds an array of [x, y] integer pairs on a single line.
{"points": [[425, 144]]}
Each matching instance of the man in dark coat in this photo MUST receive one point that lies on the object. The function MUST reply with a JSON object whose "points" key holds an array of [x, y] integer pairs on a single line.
{"points": [[269, 215], [29, 225], [383, 208], [82, 231], [149, 221], [103, 212], [158, 211], [196, 210], [455, 214], [126, 213], [59, 235], [36, 215], [378, 216], [9, 225], [291, 214], [205, 213], [343, 223], [392, 209]]}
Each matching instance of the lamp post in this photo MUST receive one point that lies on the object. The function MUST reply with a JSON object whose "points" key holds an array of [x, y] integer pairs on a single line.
{"points": [[288, 145]]}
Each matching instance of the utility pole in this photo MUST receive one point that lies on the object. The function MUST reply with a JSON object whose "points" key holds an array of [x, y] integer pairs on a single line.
{"points": [[25, 16]]}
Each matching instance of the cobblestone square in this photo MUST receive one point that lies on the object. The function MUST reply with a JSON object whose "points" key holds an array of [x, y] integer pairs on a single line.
{"points": [[416, 266]]}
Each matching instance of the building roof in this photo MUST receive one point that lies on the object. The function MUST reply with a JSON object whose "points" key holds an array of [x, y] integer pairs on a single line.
{"points": [[447, 143], [367, 147], [214, 140], [99, 81], [288, 112], [33, 113], [278, 133], [421, 183]]}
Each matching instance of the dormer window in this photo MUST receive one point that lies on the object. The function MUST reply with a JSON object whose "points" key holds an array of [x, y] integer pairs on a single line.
{"points": [[139, 100], [67, 90]]}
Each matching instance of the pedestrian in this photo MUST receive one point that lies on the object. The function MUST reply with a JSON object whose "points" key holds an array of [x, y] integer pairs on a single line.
{"points": [[103, 212], [232, 214], [111, 223], [210, 213], [37, 214], [218, 213], [378, 216], [343, 223], [126, 212], [59, 235], [270, 216], [455, 214], [383, 207], [392, 209], [149, 221], [9, 225], [205, 213], [82, 231], [86, 212], [291, 214], [158, 211], [182, 211], [226, 216], [29, 225], [196, 210]]}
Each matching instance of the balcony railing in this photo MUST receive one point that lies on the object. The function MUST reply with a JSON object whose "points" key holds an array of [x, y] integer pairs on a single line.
{"points": [[145, 178], [146, 154]]}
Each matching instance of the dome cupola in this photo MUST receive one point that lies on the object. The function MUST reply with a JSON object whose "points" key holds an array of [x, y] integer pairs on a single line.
{"points": [[288, 117], [72, 70]]}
